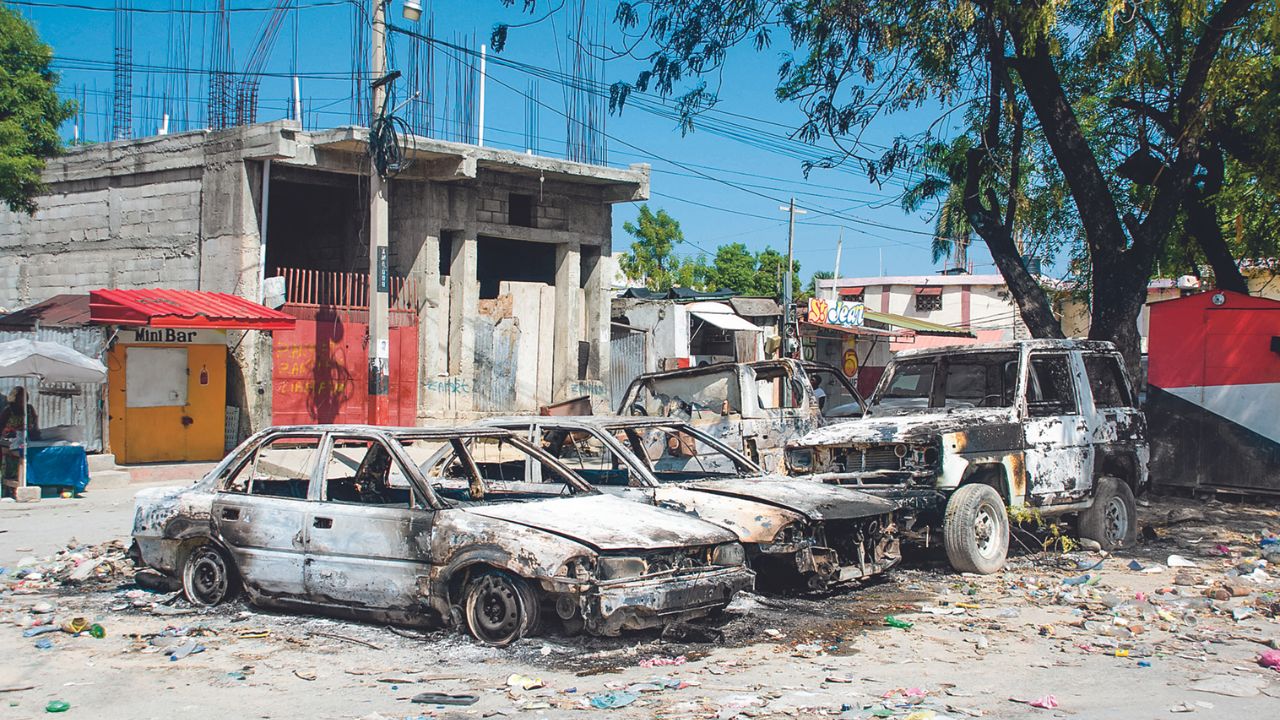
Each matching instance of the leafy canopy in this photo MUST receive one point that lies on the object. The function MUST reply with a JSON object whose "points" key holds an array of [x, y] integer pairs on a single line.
{"points": [[652, 259], [30, 111]]}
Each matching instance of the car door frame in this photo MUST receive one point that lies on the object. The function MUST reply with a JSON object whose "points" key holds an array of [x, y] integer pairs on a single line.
{"points": [[390, 573], [1058, 453], [272, 570]]}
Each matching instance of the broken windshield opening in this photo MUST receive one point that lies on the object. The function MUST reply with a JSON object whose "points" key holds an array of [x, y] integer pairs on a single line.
{"points": [[967, 380], [690, 397], [676, 455]]}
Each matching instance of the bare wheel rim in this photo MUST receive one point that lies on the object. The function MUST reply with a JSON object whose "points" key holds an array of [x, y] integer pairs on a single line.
{"points": [[1115, 520], [496, 610], [207, 576], [986, 531]]}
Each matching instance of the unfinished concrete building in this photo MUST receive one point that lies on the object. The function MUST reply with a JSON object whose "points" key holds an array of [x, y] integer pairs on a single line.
{"points": [[498, 261]]}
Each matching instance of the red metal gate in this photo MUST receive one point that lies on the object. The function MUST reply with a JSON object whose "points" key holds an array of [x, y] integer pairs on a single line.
{"points": [[320, 368]]}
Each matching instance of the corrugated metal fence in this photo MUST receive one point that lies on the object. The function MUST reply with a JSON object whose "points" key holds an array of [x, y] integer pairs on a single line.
{"points": [[66, 403], [626, 362]]}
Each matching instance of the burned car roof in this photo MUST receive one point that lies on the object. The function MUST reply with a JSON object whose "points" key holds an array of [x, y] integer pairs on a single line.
{"points": [[1011, 345], [441, 431]]}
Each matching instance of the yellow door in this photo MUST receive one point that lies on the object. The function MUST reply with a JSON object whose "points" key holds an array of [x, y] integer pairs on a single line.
{"points": [[167, 402]]}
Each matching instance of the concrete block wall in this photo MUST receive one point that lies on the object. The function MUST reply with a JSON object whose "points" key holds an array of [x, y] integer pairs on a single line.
{"points": [[112, 233]]}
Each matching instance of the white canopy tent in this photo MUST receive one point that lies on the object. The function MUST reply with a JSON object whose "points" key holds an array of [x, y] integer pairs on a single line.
{"points": [[49, 362], [46, 362]]}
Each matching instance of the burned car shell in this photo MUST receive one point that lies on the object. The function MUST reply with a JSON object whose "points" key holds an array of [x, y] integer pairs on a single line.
{"points": [[919, 454], [755, 408], [791, 528], [403, 564]]}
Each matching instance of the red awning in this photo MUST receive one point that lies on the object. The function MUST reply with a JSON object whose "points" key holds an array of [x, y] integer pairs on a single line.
{"points": [[157, 307], [851, 291], [929, 290]]}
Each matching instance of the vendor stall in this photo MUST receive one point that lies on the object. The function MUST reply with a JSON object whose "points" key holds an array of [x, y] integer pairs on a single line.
{"points": [[30, 461]]}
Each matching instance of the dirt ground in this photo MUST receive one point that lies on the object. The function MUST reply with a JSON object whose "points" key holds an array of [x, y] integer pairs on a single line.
{"points": [[1091, 635]]}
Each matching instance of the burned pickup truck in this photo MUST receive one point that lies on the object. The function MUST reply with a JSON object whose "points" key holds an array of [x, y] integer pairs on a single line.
{"points": [[956, 435], [796, 533], [754, 408], [342, 519]]}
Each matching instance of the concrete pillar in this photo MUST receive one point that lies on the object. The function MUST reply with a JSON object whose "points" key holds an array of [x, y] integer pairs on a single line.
{"points": [[565, 338], [464, 296], [596, 297]]}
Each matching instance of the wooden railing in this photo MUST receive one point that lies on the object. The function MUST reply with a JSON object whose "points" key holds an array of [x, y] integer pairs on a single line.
{"points": [[348, 290]]}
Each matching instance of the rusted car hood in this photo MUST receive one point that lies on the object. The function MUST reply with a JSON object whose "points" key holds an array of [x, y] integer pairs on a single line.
{"points": [[904, 428], [814, 500], [607, 523]]}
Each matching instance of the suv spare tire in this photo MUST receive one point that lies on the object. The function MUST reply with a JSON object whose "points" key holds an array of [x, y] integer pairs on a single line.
{"points": [[975, 530], [1112, 519]]}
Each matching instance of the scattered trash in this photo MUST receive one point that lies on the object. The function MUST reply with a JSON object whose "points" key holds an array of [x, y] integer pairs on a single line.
{"points": [[190, 647], [44, 644], [659, 661], [437, 698], [1270, 659], [524, 682], [57, 706], [1179, 561], [304, 674], [1135, 565], [1048, 702], [612, 700], [894, 622]]}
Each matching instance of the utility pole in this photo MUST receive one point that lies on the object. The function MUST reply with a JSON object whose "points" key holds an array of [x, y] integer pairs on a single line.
{"points": [[379, 270], [791, 241]]}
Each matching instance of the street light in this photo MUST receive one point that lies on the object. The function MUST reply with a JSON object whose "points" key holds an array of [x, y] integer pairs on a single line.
{"points": [[412, 10]]}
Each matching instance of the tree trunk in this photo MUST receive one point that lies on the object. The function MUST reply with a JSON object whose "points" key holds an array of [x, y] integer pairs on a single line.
{"points": [[1202, 223]]}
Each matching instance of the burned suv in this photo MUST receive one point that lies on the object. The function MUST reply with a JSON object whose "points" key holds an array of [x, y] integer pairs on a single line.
{"points": [[957, 434]]}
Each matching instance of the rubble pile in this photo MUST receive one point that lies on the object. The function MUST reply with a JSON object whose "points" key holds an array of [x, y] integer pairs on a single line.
{"points": [[73, 566]]}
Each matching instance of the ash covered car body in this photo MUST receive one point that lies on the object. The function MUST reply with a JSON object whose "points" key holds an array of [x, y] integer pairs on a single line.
{"points": [[794, 531], [753, 407], [957, 434], [342, 519]]}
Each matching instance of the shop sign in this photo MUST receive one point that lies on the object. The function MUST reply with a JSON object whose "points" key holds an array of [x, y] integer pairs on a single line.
{"points": [[172, 336], [841, 312]]}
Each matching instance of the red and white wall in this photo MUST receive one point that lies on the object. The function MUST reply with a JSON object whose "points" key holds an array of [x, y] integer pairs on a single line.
{"points": [[1213, 402]]}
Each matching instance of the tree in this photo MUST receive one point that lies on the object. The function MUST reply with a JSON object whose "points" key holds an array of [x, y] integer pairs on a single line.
{"points": [[651, 260], [30, 111], [734, 268], [1098, 116], [812, 290], [770, 266]]}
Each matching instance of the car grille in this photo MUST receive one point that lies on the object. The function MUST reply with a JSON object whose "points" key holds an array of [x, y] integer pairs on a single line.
{"points": [[878, 458]]}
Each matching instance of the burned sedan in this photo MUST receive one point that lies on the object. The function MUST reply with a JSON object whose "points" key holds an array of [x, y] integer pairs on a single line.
{"points": [[796, 532], [490, 534], [1046, 427]]}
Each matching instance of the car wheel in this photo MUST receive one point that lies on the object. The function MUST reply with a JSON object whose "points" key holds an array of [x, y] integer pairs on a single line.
{"points": [[499, 608], [975, 530], [1112, 519], [208, 577]]}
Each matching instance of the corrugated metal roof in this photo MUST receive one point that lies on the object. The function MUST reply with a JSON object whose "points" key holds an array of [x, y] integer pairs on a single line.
{"points": [[921, 327], [57, 311], [859, 330], [159, 307]]}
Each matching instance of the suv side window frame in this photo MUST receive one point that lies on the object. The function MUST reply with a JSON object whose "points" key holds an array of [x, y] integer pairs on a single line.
{"points": [[1065, 357], [1119, 375]]}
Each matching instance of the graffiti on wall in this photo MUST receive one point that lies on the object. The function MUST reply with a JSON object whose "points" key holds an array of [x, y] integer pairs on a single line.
{"points": [[841, 312]]}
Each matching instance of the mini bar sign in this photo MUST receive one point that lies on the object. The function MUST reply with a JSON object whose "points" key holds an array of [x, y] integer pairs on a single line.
{"points": [[177, 336], [825, 312]]}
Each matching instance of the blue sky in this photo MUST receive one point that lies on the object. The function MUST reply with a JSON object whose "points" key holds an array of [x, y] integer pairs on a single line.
{"points": [[754, 170]]}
